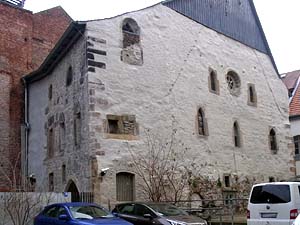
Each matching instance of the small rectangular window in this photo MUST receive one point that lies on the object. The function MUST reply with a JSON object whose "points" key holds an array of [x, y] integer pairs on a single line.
{"points": [[227, 180], [124, 124]]}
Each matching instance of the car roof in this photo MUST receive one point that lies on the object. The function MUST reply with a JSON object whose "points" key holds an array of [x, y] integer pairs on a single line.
{"points": [[73, 204], [278, 183], [146, 203]]}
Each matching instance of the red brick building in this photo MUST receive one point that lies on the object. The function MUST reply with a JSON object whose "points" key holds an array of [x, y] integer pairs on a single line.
{"points": [[25, 41]]}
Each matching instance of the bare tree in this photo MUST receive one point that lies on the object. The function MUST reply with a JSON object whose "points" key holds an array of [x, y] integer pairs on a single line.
{"points": [[19, 205], [164, 167]]}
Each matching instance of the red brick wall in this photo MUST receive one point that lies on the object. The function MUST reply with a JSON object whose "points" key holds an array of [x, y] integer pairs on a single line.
{"points": [[48, 26], [25, 41]]}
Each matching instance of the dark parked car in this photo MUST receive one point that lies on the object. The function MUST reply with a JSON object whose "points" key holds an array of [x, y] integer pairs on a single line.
{"points": [[78, 213], [155, 213]]}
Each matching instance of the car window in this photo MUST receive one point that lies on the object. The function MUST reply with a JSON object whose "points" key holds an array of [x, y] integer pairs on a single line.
{"points": [[167, 209], [271, 194], [141, 210], [126, 209], [61, 211], [88, 212], [51, 212]]}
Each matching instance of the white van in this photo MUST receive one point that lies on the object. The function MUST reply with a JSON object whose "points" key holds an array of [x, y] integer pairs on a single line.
{"points": [[273, 203]]}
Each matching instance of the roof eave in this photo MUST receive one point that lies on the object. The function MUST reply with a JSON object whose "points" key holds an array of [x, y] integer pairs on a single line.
{"points": [[264, 36]]}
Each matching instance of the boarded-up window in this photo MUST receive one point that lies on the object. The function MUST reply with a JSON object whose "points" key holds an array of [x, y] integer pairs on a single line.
{"points": [[125, 186], [132, 51]]}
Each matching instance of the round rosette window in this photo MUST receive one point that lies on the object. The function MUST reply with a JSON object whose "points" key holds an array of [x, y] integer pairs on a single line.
{"points": [[233, 82]]}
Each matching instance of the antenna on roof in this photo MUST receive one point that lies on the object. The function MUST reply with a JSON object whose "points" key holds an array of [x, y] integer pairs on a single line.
{"points": [[18, 3]]}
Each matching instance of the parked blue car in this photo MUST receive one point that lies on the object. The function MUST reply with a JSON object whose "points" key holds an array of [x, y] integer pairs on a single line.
{"points": [[77, 213]]}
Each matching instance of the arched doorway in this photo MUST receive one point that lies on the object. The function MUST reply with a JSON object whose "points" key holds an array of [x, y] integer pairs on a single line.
{"points": [[71, 187]]}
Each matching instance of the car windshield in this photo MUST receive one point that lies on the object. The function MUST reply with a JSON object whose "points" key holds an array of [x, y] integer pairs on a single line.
{"points": [[275, 194], [167, 210], [88, 212]]}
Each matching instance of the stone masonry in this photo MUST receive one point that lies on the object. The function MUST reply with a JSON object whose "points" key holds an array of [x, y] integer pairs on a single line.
{"points": [[113, 100], [24, 43]]}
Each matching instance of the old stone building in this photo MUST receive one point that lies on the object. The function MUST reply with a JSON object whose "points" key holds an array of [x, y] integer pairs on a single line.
{"points": [[24, 44], [201, 67]]}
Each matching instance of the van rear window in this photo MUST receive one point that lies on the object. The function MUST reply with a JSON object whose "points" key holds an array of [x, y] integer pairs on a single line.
{"points": [[271, 194]]}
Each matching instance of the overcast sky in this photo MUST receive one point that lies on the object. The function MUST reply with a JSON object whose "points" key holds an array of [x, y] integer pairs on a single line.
{"points": [[280, 20]]}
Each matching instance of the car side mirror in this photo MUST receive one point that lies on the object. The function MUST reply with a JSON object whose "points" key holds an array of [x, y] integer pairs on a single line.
{"points": [[148, 216], [63, 217]]}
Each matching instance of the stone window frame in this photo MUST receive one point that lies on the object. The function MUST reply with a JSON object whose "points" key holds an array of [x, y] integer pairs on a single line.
{"points": [[120, 121], [120, 195], [233, 83], [213, 81], [273, 142], [69, 76], [252, 95], [237, 136], [201, 123]]}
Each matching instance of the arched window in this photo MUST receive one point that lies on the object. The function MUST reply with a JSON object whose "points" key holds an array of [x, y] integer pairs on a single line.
{"points": [[125, 186], [69, 77], [297, 144], [132, 50], [201, 122], [236, 134], [272, 139], [233, 82]]}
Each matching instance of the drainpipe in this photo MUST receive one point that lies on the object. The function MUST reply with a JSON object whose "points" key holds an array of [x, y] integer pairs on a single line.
{"points": [[26, 130]]}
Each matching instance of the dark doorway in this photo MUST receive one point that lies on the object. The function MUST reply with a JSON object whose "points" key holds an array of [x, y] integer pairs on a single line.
{"points": [[74, 191]]}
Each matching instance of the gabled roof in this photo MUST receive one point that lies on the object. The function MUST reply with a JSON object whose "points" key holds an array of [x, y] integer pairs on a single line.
{"points": [[236, 19], [290, 78], [292, 81], [69, 38]]}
